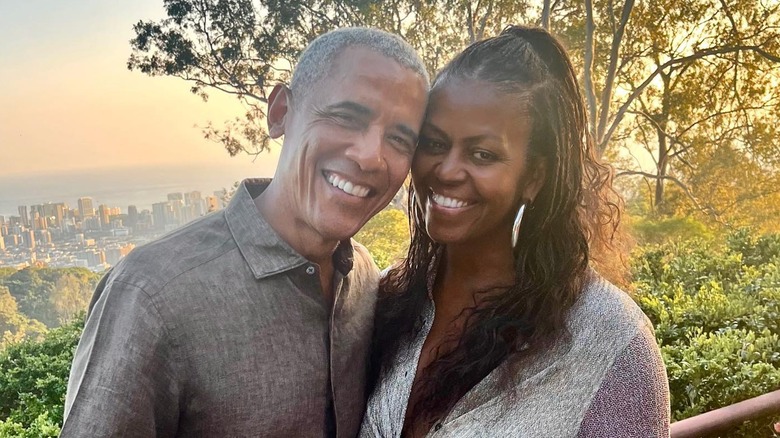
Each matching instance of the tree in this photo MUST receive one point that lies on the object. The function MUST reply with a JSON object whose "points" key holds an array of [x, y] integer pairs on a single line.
{"points": [[70, 297], [680, 79], [709, 90], [14, 327], [34, 381], [51, 296], [244, 47], [386, 236]]}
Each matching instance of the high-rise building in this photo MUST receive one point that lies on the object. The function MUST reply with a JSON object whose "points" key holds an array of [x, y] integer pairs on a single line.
{"points": [[2, 244], [176, 197], [162, 214], [212, 204], [28, 239], [53, 213], [104, 213], [25, 219], [11, 240], [86, 208], [37, 220], [132, 215]]}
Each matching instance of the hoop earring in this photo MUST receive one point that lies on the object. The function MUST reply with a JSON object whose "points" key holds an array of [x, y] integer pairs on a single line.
{"points": [[516, 225], [415, 213]]}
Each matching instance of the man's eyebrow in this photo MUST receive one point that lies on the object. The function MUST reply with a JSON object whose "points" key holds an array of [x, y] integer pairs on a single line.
{"points": [[407, 131], [352, 107]]}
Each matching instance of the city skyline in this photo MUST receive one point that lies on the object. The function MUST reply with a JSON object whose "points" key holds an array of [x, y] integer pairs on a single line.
{"points": [[70, 103], [94, 235]]}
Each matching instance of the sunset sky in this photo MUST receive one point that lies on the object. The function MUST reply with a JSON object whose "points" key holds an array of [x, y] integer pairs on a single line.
{"points": [[68, 102]]}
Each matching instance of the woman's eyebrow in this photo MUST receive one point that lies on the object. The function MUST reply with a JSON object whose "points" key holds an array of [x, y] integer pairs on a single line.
{"points": [[429, 126]]}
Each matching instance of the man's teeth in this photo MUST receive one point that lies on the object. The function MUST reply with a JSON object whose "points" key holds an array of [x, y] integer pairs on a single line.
{"points": [[348, 187], [448, 202]]}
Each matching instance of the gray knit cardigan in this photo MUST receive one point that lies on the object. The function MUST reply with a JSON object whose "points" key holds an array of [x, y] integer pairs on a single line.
{"points": [[606, 380]]}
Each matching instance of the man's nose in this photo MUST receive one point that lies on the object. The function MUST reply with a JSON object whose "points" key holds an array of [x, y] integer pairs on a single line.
{"points": [[366, 151]]}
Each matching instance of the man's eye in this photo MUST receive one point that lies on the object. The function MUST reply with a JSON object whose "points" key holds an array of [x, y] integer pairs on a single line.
{"points": [[345, 119], [401, 143]]}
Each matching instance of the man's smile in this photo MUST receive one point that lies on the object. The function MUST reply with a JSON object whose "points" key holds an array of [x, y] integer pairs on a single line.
{"points": [[347, 186]]}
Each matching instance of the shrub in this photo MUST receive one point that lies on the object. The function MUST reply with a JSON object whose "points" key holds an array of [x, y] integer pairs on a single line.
{"points": [[34, 381]]}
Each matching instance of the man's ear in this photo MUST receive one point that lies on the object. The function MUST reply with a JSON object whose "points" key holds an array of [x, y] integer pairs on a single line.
{"points": [[278, 108]]}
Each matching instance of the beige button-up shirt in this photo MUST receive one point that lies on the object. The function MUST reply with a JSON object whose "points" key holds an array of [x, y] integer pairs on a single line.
{"points": [[220, 329]]}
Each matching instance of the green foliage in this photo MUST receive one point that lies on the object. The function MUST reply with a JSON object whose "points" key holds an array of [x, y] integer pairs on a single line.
{"points": [[386, 236], [667, 229], [34, 381], [716, 311], [51, 296], [14, 326]]}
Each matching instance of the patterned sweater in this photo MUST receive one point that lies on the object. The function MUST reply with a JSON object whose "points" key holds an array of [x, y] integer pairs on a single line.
{"points": [[606, 379]]}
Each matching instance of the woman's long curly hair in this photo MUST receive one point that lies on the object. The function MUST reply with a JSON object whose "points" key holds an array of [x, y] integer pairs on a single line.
{"points": [[575, 209]]}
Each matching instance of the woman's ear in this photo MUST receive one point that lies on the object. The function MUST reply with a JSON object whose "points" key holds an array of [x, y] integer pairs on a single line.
{"points": [[536, 180], [278, 109]]}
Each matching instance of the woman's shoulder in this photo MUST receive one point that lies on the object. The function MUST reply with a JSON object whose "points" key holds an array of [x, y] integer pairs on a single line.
{"points": [[605, 314]]}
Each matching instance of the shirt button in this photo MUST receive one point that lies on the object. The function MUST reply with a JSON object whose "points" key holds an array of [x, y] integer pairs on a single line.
{"points": [[310, 270]]}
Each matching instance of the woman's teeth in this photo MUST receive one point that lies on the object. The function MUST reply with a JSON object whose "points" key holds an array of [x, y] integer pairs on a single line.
{"points": [[447, 202]]}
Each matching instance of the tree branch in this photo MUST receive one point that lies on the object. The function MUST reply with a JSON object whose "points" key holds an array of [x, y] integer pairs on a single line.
{"points": [[673, 62]]}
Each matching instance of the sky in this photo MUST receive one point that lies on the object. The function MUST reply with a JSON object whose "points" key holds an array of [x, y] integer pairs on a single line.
{"points": [[68, 102]]}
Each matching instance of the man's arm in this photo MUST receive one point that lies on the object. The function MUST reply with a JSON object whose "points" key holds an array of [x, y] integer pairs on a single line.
{"points": [[123, 380]]}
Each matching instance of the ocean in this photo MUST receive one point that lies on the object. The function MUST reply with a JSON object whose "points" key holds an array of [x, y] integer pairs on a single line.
{"points": [[120, 187]]}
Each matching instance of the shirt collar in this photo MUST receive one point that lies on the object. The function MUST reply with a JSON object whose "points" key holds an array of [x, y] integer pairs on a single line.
{"points": [[263, 249]]}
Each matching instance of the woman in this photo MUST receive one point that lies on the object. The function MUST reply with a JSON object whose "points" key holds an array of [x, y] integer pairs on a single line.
{"points": [[494, 325]]}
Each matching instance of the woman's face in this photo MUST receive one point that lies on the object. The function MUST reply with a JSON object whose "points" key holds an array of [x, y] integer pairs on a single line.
{"points": [[471, 169]]}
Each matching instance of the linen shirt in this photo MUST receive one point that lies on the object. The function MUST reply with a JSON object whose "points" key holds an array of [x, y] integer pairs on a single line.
{"points": [[605, 380], [220, 329]]}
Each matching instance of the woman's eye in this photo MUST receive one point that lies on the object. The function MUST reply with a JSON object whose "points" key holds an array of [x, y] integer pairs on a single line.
{"points": [[430, 145], [484, 156]]}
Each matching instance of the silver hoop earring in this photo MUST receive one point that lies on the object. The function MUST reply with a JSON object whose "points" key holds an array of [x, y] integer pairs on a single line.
{"points": [[415, 213], [516, 225]]}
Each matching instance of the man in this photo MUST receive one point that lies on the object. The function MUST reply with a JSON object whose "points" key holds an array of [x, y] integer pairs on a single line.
{"points": [[256, 321]]}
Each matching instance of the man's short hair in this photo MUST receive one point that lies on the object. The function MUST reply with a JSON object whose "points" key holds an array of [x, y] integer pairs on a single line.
{"points": [[317, 59]]}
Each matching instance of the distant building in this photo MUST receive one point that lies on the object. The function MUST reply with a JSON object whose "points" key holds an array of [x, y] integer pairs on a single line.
{"points": [[86, 208], [176, 197], [11, 240], [93, 257], [212, 204], [104, 213], [28, 239], [25, 219], [162, 215], [132, 215]]}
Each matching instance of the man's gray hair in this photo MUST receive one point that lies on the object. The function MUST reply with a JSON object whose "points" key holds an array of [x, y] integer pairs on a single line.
{"points": [[317, 59]]}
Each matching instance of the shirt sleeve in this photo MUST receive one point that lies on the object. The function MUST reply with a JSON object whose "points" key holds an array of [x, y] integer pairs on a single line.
{"points": [[633, 400], [122, 382]]}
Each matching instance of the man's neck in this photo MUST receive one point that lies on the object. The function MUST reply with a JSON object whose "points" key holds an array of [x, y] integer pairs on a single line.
{"points": [[276, 210]]}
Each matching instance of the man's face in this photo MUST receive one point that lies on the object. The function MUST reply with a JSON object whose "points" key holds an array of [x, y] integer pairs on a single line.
{"points": [[349, 143]]}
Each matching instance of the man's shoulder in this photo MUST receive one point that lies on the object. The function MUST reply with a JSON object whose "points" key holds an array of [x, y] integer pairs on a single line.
{"points": [[153, 265]]}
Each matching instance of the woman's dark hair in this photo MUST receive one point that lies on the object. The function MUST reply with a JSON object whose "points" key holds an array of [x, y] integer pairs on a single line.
{"points": [[575, 208]]}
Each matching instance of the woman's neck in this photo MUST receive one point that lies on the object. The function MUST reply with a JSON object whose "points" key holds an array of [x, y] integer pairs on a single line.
{"points": [[476, 267]]}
